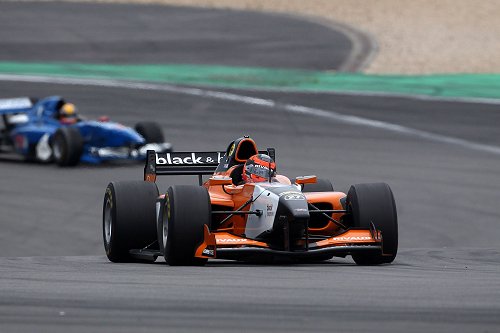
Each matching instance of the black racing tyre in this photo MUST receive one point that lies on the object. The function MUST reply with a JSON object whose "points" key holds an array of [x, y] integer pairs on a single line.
{"points": [[128, 218], [321, 185], [67, 146], [375, 203], [187, 209], [150, 131]]}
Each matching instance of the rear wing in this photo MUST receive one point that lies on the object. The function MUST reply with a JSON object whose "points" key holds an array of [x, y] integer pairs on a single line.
{"points": [[15, 105], [186, 163]]}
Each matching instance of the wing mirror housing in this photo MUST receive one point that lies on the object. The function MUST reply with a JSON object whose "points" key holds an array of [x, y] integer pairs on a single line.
{"points": [[306, 180], [220, 180]]}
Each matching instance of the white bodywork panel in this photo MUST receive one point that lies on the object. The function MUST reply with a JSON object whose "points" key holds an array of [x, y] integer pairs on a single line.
{"points": [[43, 150], [266, 202]]}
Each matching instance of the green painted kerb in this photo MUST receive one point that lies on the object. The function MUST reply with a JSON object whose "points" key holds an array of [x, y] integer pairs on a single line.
{"points": [[452, 85]]}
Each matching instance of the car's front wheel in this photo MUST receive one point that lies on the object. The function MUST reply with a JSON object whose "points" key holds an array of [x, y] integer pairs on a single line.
{"points": [[67, 146], [374, 204], [187, 210], [150, 131]]}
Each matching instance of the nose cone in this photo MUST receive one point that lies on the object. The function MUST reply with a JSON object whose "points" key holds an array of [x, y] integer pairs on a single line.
{"points": [[294, 206], [120, 135], [109, 134], [129, 136]]}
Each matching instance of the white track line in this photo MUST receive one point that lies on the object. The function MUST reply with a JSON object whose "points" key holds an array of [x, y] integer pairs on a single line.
{"points": [[469, 100], [293, 108]]}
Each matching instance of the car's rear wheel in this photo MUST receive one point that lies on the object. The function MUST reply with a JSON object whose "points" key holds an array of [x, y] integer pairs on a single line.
{"points": [[150, 131], [187, 209], [67, 146], [321, 185], [374, 203], [129, 219]]}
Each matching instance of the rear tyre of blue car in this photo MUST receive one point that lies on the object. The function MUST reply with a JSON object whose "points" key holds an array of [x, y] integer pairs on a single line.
{"points": [[187, 210], [129, 219], [67, 146], [374, 203], [150, 131]]}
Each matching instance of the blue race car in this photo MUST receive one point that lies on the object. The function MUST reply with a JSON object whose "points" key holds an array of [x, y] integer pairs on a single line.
{"points": [[50, 130]]}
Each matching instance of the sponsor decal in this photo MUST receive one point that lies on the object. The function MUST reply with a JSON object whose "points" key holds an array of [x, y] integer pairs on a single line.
{"points": [[292, 195], [261, 166], [208, 253], [188, 158], [295, 196], [110, 196], [232, 240], [168, 206], [270, 210], [352, 238], [231, 151]]}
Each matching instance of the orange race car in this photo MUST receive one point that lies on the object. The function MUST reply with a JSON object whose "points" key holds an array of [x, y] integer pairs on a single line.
{"points": [[245, 211]]}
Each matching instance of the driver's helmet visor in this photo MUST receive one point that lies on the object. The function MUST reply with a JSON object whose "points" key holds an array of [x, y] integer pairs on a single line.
{"points": [[260, 171]]}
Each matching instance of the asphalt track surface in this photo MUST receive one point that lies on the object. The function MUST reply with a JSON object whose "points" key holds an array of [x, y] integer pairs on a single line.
{"points": [[54, 277], [159, 34]]}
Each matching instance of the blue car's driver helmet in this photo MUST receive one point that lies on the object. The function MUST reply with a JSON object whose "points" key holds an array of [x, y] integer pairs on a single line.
{"points": [[68, 113]]}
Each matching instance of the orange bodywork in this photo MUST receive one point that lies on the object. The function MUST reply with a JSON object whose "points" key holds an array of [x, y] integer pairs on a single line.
{"points": [[273, 217], [230, 233]]}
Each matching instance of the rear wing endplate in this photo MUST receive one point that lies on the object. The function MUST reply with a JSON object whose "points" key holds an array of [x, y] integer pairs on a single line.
{"points": [[186, 163]]}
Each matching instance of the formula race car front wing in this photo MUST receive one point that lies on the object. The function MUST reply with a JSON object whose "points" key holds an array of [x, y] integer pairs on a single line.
{"points": [[223, 245]]}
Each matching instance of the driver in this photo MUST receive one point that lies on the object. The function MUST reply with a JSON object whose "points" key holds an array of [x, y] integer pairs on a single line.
{"points": [[68, 114], [259, 168]]}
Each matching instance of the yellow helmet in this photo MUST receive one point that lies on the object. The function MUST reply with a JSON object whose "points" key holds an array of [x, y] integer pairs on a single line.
{"points": [[68, 114], [68, 110]]}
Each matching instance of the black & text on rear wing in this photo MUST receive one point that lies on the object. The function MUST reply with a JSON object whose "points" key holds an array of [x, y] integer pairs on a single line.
{"points": [[185, 163]]}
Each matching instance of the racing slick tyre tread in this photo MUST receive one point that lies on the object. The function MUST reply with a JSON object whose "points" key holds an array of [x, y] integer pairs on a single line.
{"points": [[67, 145], [321, 185], [150, 131], [375, 203], [129, 218], [187, 210]]}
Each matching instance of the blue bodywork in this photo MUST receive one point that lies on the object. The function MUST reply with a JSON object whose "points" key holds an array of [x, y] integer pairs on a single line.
{"points": [[26, 125]]}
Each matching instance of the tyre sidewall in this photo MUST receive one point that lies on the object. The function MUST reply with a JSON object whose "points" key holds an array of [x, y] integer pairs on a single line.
{"points": [[113, 251], [150, 131], [70, 144], [187, 210], [375, 203], [133, 216]]}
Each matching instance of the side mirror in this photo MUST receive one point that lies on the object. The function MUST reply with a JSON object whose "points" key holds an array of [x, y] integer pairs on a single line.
{"points": [[219, 180], [306, 180]]}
